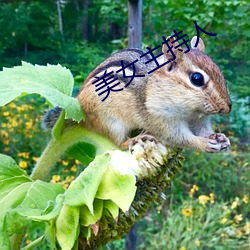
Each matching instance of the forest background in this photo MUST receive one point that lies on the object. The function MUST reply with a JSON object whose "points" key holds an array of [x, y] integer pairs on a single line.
{"points": [[207, 205]]}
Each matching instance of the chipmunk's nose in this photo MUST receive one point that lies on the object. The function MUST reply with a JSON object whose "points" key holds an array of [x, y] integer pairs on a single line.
{"points": [[227, 108]]}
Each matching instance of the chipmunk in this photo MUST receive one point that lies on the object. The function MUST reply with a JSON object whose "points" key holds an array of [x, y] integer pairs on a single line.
{"points": [[173, 104]]}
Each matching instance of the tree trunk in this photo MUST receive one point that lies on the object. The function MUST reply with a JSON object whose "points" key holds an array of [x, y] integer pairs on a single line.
{"points": [[59, 16], [85, 31], [131, 238], [134, 23]]}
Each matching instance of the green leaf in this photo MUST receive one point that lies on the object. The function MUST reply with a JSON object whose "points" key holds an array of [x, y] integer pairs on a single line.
{"points": [[4, 240], [9, 168], [46, 216], [6, 186], [11, 200], [67, 226], [86, 231], [86, 218], [53, 82], [50, 234], [14, 198], [14, 223], [83, 189], [83, 152], [19, 197], [118, 188], [26, 202], [112, 208], [39, 194], [58, 127]]}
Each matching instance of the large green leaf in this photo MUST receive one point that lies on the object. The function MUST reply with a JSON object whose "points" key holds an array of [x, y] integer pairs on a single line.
{"points": [[10, 201], [53, 82], [21, 197], [83, 152], [6, 186], [86, 218], [112, 208], [39, 194], [9, 168], [47, 215], [118, 188], [67, 226], [83, 189]]}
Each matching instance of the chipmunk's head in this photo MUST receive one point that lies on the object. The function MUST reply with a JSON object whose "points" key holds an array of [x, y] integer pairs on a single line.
{"points": [[195, 79]]}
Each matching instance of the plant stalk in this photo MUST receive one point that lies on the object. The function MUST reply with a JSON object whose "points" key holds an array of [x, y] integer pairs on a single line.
{"points": [[57, 147]]}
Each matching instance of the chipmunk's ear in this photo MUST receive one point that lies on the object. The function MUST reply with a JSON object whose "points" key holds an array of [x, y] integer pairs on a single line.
{"points": [[200, 45], [168, 53]]}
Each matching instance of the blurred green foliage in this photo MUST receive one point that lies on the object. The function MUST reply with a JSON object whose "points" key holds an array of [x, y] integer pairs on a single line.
{"points": [[30, 32]]}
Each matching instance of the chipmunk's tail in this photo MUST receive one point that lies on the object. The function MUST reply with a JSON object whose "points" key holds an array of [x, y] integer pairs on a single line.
{"points": [[50, 117]]}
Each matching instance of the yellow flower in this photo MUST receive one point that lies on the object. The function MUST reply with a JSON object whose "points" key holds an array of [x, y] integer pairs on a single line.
{"points": [[6, 149], [29, 124], [24, 154], [4, 134], [234, 152], [235, 203], [211, 195], [6, 141], [35, 159], [197, 242], [223, 235], [193, 190], [223, 220], [12, 105], [77, 162], [23, 164], [14, 123], [73, 168], [238, 159], [225, 164], [70, 178], [203, 199], [23, 107], [245, 199], [65, 163], [55, 178], [6, 113], [238, 233], [182, 248], [238, 218], [187, 211], [247, 227]]}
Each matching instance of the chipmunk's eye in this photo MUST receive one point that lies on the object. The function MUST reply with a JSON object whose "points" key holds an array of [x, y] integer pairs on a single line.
{"points": [[197, 79]]}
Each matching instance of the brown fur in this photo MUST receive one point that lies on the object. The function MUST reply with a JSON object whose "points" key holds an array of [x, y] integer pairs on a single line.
{"points": [[165, 103]]}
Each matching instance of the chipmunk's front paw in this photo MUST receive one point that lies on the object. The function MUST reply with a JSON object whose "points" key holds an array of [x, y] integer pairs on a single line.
{"points": [[218, 142]]}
